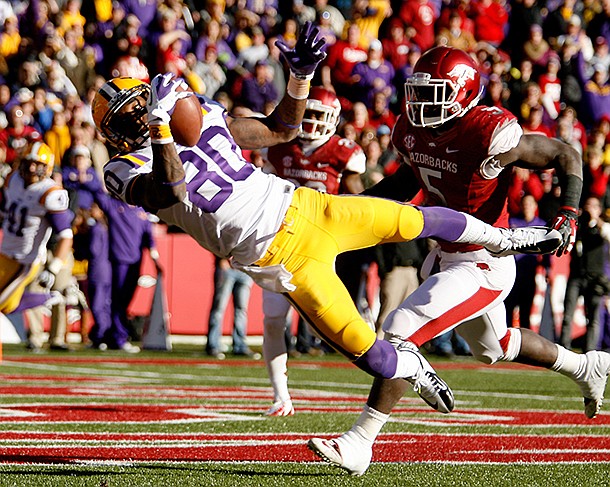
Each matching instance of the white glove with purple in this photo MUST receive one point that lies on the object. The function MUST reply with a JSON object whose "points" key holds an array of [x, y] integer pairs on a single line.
{"points": [[306, 54], [163, 97]]}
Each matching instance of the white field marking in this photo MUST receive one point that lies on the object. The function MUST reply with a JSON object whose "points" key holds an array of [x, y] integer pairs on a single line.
{"points": [[158, 376], [12, 413], [121, 444]]}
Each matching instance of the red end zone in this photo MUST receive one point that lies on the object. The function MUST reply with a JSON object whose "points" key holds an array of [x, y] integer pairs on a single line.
{"points": [[61, 448], [78, 447]]}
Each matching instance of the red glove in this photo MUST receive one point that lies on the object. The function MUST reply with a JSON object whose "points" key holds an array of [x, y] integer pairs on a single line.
{"points": [[566, 223]]}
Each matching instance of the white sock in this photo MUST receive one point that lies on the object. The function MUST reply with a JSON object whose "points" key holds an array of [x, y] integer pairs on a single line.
{"points": [[407, 365], [569, 363], [367, 427], [481, 233]]}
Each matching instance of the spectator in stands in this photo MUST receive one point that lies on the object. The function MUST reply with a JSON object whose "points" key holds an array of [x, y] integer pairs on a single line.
{"points": [[396, 45], [375, 75], [595, 175], [369, 15], [550, 87], [490, 19], [258, 91], [419, 16], [15, 137], [211, 36], [380, 113], [537, 49], [257, 51], [336, 72], [523, 15], [454, 36]]}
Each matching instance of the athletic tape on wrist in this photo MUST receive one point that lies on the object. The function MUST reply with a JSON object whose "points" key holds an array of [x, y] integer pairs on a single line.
{"points": [[160, 134], [298, 88]]}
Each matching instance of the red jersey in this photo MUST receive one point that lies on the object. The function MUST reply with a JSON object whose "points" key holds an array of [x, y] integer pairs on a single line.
{"points": [[342, 57], [322, 168], [450, 164]]}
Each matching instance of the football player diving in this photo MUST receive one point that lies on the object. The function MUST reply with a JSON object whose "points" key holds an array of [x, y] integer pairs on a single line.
{"points": [[285, 238]]}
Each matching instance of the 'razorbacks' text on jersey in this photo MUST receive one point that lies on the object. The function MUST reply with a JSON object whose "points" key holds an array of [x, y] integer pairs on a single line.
{"points": [[320, 169], [224, 210], [458, 172], [26, 228]]}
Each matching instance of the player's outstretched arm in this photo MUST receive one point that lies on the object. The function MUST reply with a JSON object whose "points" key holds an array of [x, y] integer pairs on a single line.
{"points": [[283, 123], [165, 185], [540, 152]]}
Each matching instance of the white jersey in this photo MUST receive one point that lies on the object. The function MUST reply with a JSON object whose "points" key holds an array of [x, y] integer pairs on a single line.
{"points": [[25, 230], [231, 208]]}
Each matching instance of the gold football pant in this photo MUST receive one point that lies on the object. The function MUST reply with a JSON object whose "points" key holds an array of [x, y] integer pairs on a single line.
{"points": [[316, 228], [14, 278]]}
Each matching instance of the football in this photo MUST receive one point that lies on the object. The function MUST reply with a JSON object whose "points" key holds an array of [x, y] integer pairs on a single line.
{"points": [[186, 121]]}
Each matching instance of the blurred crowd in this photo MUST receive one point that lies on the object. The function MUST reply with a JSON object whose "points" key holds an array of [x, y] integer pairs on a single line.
{"points": [[545, 61]]}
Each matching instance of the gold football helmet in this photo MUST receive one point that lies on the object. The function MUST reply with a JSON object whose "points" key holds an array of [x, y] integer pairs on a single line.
{"points": [[128, 130], [40, 153]]}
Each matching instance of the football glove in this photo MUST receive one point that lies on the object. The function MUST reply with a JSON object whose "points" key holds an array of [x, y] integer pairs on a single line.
{"points": [[306, 54], [566, 223], [46, 279], [163, 97]]}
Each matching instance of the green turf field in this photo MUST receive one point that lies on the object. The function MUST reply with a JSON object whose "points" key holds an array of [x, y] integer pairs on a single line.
{"points": [[178, 419]]}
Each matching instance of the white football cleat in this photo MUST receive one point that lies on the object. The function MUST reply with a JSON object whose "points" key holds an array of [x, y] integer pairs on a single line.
{"points": [[526, 240], [281, 408], [129, 348], [430, 387], [354, 459], [593, 383]]}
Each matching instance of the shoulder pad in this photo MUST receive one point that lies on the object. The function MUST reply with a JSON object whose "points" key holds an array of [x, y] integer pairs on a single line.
{"points": [[55, 199]]}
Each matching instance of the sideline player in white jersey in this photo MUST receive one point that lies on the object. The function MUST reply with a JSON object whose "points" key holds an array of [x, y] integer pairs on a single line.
{"points": [[285, 238], [32, 206], [323, 161], [461, 155]]}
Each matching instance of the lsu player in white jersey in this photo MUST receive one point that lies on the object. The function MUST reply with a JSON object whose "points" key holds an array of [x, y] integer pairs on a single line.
{"points": [[32, 206], [285, 238]]}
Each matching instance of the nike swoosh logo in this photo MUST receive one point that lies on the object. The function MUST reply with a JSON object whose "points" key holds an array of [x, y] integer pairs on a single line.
{"points": [[451, 151]]}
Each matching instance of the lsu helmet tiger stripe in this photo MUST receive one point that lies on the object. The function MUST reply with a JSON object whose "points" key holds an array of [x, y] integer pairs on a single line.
{"points": [[40, 153], [126, 131]]}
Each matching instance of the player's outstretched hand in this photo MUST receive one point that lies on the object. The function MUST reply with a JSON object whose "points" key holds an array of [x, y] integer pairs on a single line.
{"points": [[306, 54], [566, 223], [165, 91]]}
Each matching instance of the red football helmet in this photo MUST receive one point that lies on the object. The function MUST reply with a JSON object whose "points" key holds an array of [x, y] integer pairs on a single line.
{"points": [[321, 114], [445, 84]]}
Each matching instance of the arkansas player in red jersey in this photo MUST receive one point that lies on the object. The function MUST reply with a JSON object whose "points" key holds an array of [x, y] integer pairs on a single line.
{"points": [[321, 160], [461, 155]]}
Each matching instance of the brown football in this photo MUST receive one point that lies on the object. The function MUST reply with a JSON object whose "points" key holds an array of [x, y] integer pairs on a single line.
{"points": [[186, 121]]}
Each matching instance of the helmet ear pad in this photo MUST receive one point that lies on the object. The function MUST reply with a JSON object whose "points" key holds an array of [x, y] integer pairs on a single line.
{"points": [[125, 129], [445, 84]]}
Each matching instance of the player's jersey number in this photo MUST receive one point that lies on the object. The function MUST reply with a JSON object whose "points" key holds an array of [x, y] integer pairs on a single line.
{"points": [[211, 175], [17, 217], [428, 176]]}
